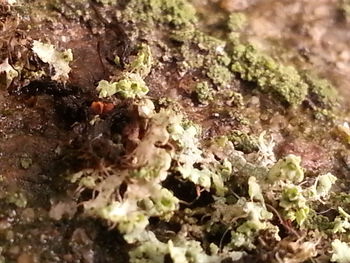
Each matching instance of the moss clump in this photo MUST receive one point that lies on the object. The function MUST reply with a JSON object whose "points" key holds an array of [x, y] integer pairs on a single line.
{"points": [[220, 75], [269, 75], [203, 92], [243, 141], [316, 221], [193, 40], [236, 21], [174, 12], [321, 91]]}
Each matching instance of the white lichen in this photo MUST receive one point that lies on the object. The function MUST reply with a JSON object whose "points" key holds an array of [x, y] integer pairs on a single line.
{"points": [[58, 60]]}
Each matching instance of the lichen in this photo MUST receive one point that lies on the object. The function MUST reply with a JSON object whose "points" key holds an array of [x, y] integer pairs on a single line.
{"points": [[287, 169], [179, 250], [343, 131], [26, 162], [294, 204], [16, 198], [57, 59], [131, 84], [130, 87], [341, 252], [142, 63], [257, 219], [245, 196]]}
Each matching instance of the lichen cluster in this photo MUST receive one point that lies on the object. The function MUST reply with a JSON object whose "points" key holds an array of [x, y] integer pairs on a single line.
{"points": [[217, 196], [131, 84]]}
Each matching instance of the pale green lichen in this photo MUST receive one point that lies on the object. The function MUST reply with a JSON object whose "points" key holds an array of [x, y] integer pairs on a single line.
{"points": [[144, 197], [26, 162], [131, 86], [294, 204], [190, 158], [287, 169], [179, 250], [323, 185], [142, 63], [254, 190], [106, 88], [343, 131], [341, 223], [257, 218], [59, 60], [107, 2], [17, 198], [341, 252]]}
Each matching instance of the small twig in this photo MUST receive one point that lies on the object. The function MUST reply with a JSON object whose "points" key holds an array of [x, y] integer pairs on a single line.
{"points": [[290, 229], [222, 238]]}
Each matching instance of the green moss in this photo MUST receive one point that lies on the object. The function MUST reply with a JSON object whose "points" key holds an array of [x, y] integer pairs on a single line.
{"points": [[204, 92], [72, 9], [316, 221], [321, 91], [236, 21], [237, 99], [174, 12], [220, 75], [193, 40], [243, 141], [270, 76]]}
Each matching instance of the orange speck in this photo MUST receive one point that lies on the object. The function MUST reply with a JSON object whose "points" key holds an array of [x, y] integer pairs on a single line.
{"points": [[99, 107]]}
